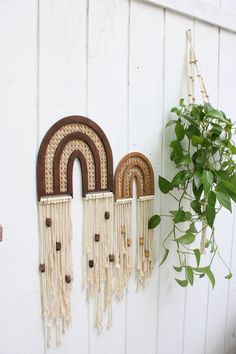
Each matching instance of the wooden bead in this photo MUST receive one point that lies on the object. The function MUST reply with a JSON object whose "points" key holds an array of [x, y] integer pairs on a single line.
{"points": [[111, 257], [96, 237], [123, 231], [42, 268], [107, 215], [68, 279], [141, 240], [129, 242], [58, 246], [48, 222], [146, 253], [91, 263]]}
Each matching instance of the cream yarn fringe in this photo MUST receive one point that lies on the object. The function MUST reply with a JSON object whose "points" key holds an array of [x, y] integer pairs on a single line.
{"points": [[99, 267], [144, 239], [123, 242], [123, 249], [58, 264], [107, 266]]}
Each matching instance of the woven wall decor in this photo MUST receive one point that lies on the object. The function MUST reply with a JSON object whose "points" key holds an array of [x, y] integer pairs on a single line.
{"points": [[133, 166], [70, 138]]}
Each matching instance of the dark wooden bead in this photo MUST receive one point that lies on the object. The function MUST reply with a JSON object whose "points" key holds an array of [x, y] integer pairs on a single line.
{"points": [[97, 237], [58, 246], [146, 253], [107, 215], [48, 222], [68, 279], [91, 263], [129, 242], [42, 268], [141, 240], [111, 257]]}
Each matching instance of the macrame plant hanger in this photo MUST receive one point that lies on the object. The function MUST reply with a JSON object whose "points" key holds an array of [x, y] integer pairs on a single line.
{"points": [[70, 138], [193, 72], [133, 166]]}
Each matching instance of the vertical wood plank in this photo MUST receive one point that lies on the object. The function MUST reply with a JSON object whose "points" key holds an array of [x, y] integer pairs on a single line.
{"points": [[20, 317], [63, 91], [197, 296], [145, 135], [226, 88], [107, 105], [172, 296]]}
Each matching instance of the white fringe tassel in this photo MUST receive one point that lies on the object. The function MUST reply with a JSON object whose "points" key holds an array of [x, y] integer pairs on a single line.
{"points": [[144, 239], [99, 266], [56, 278], [123, 253]]}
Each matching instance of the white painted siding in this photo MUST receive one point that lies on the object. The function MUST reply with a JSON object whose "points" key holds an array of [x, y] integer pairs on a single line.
{"points": [[122, 63]]}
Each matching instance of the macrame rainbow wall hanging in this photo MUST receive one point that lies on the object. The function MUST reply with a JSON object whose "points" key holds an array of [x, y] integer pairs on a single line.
{"points": [[107, 235], [133, 166], [70, 138]]}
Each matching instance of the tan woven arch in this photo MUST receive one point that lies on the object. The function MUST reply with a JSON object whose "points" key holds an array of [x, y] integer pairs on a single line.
{"points": [[69, 138], [134, 165]]}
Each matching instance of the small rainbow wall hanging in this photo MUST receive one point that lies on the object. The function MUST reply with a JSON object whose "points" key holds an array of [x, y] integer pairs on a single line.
{"points": [[133, 166]]}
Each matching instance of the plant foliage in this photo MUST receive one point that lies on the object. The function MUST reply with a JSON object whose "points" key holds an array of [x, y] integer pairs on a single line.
{"points": [[203, 152]]}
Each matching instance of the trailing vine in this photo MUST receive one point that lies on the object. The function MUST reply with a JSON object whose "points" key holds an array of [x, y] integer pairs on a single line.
{"points": [[204, 155]]}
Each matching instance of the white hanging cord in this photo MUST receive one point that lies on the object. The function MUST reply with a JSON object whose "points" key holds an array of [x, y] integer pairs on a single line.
{"points": [[192, 69]]}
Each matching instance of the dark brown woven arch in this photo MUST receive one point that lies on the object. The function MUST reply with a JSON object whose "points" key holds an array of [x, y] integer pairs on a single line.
{"points": [[138, 167], [77, 135], [56, 163]]}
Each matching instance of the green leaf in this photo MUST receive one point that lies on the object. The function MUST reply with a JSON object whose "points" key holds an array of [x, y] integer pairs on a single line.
{"points": [[210, 276], [190, 275], [192, 228], [186, 239], [202, 275], [214, 113], [181, 102], [232, 148], [196, 206], [197, 256], [229, 186], [188, 216], [164, 256], [175, 110], [212, 198], [197, 192], [154, 221], [171, 122], [210, 214], [178, 269], [224, 199], [185, 160], [179, 131], [181, 216], [197, 140], [197, 179], [164, 185], [181, 177], [182, 283], [229, 276], [207, 179]]}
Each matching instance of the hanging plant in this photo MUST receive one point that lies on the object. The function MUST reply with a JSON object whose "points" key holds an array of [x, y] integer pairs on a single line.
{"points": [[203, 152]]}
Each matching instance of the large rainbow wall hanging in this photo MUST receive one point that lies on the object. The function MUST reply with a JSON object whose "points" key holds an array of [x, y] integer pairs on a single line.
{"points": [[107, 225]]}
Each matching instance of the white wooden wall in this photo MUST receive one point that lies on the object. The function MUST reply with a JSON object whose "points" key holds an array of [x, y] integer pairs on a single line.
{"points": [[122, 63]]}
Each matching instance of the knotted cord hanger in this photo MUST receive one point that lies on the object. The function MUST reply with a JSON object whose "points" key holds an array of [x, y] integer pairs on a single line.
{"points": [[193, 72]]}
